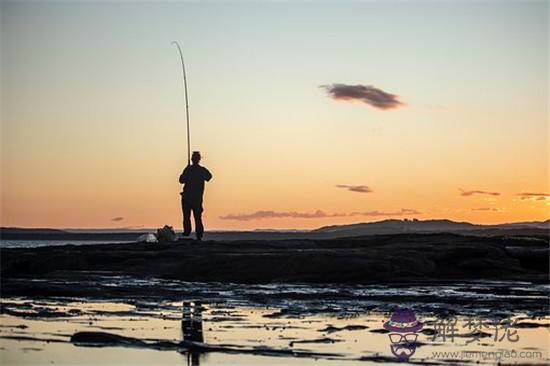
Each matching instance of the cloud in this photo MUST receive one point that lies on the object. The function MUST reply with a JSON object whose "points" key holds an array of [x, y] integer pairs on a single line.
{"points": [[533, 196], [260, 215], [360, 189], [367, 94], [403, 211], [471, 193], [486, 209], [118, 218]]}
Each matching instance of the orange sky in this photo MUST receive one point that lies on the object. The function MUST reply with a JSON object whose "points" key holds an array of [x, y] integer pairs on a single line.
{"points": [[93, 119]]}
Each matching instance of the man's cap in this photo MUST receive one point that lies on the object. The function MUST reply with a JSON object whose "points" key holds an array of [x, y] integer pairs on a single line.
{"points": [[196, 153]]}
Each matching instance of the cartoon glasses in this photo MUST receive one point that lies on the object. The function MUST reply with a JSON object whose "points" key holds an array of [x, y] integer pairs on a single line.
{"points": [[403, 338]]}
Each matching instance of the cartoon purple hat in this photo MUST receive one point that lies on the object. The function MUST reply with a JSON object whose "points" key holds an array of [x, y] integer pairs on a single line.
{"points": [[403, 321]]}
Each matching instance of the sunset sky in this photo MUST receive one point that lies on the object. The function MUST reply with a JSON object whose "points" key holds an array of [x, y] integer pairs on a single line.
{"points": [[307, 114]]}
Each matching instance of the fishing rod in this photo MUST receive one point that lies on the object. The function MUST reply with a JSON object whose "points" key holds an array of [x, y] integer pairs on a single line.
{"points": [[186, 102]]}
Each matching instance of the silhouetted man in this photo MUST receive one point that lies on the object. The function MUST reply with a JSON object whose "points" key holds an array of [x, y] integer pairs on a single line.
{"points": [[193, 178]]}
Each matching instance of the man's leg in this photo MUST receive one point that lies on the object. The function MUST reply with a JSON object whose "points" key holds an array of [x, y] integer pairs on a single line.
{"points": [[186, 208], [197, 213]]}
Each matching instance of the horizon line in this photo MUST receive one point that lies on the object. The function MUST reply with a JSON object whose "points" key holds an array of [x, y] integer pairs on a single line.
{"points": [[275, 229]]}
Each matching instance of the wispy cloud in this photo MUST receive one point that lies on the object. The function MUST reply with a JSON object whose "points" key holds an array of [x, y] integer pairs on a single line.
{"points": [[486, 209], [533, 196], [360, 189], [473, 192], [367, 94], [403, 211], [118, 218], [260, 215]]}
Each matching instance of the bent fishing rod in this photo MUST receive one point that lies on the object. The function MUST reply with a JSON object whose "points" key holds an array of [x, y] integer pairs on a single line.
{"points": [[186, 102]]}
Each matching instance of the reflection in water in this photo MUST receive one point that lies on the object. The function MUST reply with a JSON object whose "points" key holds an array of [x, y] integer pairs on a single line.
{"points": [[191, 327], [34, 331]]}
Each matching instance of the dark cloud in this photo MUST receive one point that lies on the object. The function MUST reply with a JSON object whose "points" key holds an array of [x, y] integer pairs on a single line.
{"points": [[360, 189], [260, 215], [471, 193], [367, 94], [485, 209], [533, 196], [118, 218]]}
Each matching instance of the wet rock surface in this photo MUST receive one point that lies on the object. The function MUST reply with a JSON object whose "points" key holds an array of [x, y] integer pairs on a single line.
{"points": [[380, 259]]}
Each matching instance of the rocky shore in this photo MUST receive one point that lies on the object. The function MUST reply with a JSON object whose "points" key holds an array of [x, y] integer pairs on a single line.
{"points": [[383, 259]]}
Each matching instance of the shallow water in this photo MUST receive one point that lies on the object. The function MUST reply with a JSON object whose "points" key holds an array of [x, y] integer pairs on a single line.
{"points": [[497, 298], [36, 243], [281, 324]]}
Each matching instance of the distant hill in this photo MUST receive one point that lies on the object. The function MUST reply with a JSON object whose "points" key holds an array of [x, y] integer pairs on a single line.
{"points": [[527, 224], [393, 226], [15, 233], [21, 230], [401, 226]]}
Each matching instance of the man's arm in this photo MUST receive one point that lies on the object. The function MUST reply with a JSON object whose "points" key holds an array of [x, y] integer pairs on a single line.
{"points": [[184, 174], [207, 175]]}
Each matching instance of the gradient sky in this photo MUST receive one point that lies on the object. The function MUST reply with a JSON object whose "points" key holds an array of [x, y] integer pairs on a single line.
{"points": [[93, 131]]}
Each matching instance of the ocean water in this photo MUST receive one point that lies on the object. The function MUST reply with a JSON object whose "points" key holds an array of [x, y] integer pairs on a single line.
{"points": [[33, 243]]}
